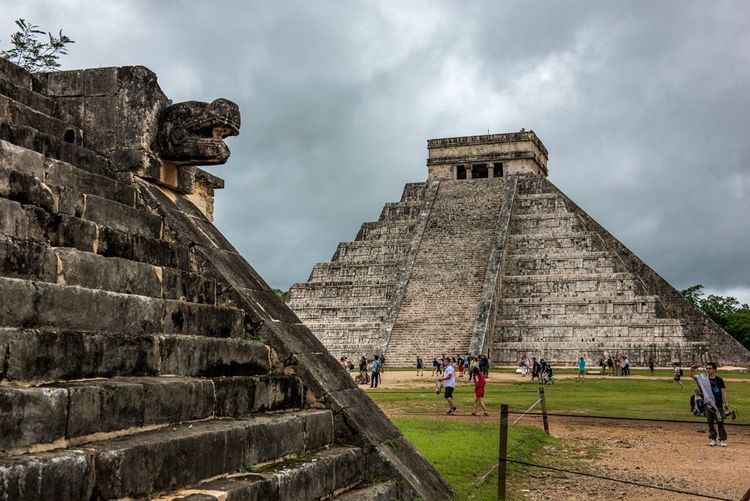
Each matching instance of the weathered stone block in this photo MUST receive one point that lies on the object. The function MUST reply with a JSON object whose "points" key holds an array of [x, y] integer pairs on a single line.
{"points": [[31, 415], [203, 356], [114, 274], [121, 217], [65, 476], [203, 319]]}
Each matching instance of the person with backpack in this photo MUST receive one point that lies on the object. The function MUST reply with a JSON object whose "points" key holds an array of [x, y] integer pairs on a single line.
{"points": [[715, 405], [420, 365], [677, 375], [484, 366]]}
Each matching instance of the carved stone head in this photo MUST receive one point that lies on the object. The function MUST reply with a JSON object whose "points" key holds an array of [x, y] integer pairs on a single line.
{"points": [[193, 132]]}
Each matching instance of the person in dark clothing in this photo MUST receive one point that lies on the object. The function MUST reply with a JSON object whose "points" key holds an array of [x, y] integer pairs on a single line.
{"points": [[713, 390]]}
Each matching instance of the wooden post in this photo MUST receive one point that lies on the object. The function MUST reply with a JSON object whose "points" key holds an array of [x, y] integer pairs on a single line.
{"points": [[503, 450], [544, 410]]}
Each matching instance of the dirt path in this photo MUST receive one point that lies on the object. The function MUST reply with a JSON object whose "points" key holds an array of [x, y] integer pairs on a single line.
{"points": [[673, 455]]}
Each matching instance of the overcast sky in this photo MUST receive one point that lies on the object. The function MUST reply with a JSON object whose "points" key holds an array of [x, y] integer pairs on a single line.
{"points": [[644, 107]]}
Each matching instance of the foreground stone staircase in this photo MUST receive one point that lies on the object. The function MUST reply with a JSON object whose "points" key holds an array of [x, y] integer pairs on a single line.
{"points": [[141, 357]]}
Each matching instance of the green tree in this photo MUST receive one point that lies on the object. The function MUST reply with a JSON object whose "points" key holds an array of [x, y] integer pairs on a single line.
{"points": [[726, 311], [33, 54], [282, 294]]}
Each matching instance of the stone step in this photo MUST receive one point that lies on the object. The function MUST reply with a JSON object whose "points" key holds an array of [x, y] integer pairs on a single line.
{"points": [[570, 263], [562, 353], [575, 286], [354, 272], [53, 147], [367, 251], [68, 413], [17, 113], [372, 292], [400, 211], [573, 322], [316, 476], [32, 260], [545, 242], [35, 356], [342, 312], [31, 304], [539, 203], [602, 307], [26, 95], [386, 231], [540, 222], [55, 173], [381, 491], [414, 192], [29, 222], [146, 464], [55, 199]]}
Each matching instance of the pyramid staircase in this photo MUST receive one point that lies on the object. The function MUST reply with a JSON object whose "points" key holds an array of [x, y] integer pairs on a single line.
{"points": [[141, 357]]}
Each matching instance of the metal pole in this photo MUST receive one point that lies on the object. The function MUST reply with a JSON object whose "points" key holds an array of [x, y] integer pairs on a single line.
{"points": [[544, 410], [502, 452]]}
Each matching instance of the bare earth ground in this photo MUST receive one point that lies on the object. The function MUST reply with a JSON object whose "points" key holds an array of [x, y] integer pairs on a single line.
{"points": [[674, 455]]}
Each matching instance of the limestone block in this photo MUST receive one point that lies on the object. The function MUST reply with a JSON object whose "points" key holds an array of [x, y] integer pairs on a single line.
{"points": [[33, 415], [64, 476]]}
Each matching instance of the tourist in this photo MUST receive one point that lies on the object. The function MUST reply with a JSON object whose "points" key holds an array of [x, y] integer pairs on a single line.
{"points": [[610, 365], [677, 375], [375, 369], [420, 363], [364, 376], [696, 403], [435, 367], [581, 369], [651, 365], [470, 368], [535, 368], [449, 382], [523, 364], [484, 366], [625, 366], [618, 366], [714, 393], [479, 384], [461, 367]]}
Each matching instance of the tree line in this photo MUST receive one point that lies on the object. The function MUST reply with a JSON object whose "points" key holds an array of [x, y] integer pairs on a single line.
{"points": [[726, 311]]}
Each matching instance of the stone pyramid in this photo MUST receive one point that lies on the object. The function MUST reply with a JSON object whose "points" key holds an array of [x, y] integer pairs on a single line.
{"points": [[488, 255], [141, 356]]}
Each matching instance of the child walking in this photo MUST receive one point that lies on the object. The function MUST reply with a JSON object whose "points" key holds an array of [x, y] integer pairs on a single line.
{"points": [[479, 384]]}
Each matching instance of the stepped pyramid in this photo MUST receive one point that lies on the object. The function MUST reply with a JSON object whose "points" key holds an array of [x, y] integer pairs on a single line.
{"points": [[141, 356], [488, 255]]}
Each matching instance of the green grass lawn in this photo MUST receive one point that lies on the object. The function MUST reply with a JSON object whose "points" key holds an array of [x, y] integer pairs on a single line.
{"points": [[609, 396], [462, 448]]}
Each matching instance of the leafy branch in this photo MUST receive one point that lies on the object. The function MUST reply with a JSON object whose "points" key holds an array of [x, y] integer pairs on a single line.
{"points": [[33, 54]]}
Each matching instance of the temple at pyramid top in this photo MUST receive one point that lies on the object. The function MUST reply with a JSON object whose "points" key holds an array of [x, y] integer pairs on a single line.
{"points": [[486, 156], [488, 256]]}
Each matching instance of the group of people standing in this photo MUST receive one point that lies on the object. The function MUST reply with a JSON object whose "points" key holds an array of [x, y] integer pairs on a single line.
{"points": [[541, 370], [464, 364]]}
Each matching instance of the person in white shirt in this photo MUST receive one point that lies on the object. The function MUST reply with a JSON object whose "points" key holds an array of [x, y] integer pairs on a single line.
{"points": [[449, 381]]}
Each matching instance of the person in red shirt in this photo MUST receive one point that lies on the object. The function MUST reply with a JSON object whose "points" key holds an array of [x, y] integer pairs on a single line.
{"points": [[479, 383]]}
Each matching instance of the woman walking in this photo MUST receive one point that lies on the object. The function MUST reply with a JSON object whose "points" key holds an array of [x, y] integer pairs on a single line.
{"points": [[479, 384]]}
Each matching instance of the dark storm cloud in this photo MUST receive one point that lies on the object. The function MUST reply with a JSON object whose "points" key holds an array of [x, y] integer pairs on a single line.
{"points": [[642, 105]]}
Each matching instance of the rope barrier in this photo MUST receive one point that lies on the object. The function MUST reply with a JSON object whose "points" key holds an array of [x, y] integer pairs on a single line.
{"points": [[526, 411], [622, 481], [621, 418]]}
